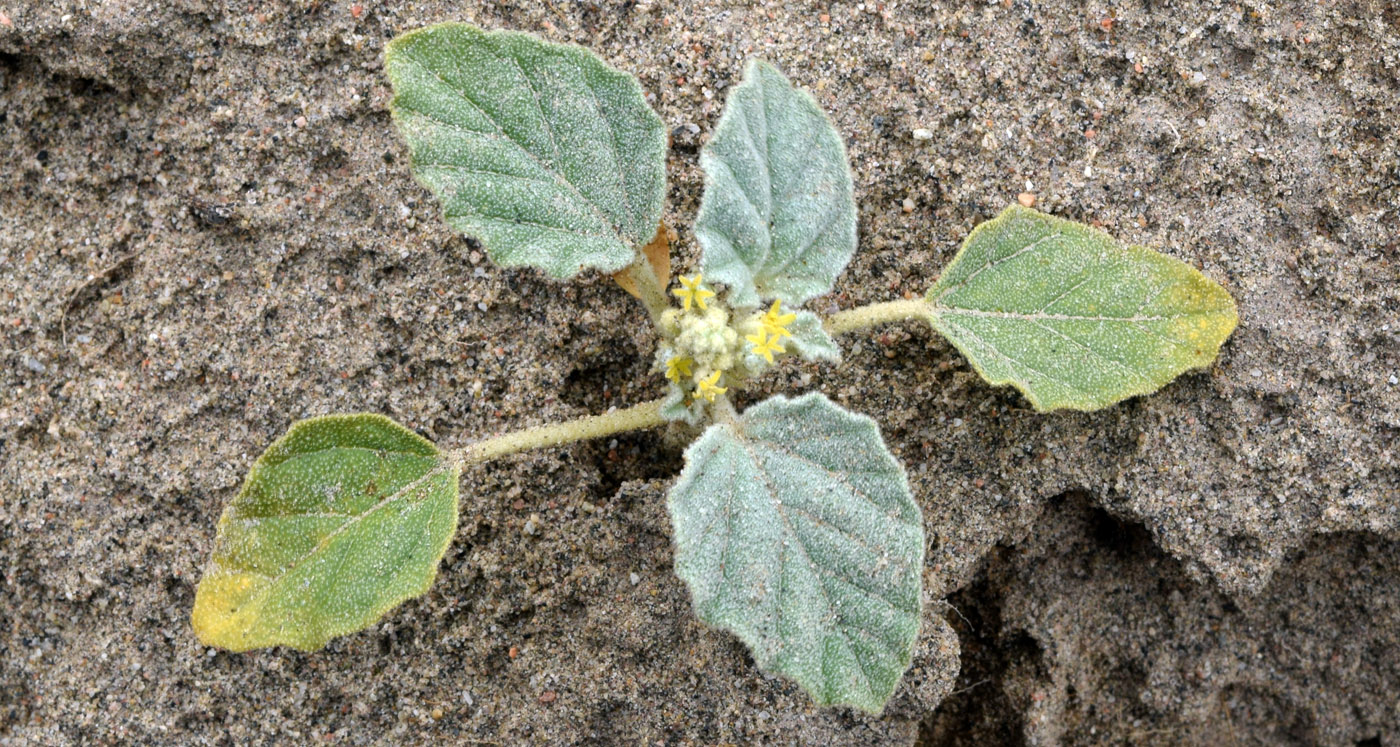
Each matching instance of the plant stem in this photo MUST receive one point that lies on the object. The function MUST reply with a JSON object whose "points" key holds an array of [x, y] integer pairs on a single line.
{"points": [[645, 415], [877, 313], [648, 287]]}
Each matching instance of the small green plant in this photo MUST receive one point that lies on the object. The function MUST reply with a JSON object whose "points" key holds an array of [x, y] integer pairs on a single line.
{"points": [[794, 526]]}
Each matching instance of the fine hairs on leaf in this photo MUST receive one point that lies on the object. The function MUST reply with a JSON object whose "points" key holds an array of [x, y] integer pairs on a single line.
{"points": [[795, 527], [547, 155], [338, 522], [1071, 317], [777, 220]]}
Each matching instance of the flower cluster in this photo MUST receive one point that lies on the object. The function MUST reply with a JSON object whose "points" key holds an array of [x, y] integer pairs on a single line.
{"points": [[704, 353]]}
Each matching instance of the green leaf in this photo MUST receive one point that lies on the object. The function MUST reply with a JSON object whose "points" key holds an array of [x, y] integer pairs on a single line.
{"points": [[1071, 317], [810, 340], [796, 531], [777, 219], [544, 153], [338, 522]]}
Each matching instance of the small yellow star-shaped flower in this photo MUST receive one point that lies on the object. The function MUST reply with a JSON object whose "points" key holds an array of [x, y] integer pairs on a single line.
{"points": [[692, 292], [709, 387], [677, 367], [765, 345], [776, 322]]}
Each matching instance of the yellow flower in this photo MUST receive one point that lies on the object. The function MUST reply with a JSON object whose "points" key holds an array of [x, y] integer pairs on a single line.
{"points": [[765, 345], [677, 367], [776, 322], [692, 292], [709, 387]]}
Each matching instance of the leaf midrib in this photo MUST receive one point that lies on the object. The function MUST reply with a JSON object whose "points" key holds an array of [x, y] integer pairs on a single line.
{"points": [[821, 581], [1033, 316], [325, 542], [558, 176]]}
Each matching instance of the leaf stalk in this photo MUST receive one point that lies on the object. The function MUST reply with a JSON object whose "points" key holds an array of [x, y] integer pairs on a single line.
{"points": [[861, 317], [637, 417], [648, 288]]}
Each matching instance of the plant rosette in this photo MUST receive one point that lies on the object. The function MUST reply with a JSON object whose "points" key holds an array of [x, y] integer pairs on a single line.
{"points": [[795, 527]]}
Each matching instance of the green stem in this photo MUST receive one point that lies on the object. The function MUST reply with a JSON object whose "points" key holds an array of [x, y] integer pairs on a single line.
{"points": [[861, 317], [645, 415], [649, 288]]}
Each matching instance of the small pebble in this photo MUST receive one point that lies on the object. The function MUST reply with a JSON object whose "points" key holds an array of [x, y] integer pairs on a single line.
{"points": [[1027, 199], [921, 133], [299, 121], [908, 205], [634, 578], [437, 714]]}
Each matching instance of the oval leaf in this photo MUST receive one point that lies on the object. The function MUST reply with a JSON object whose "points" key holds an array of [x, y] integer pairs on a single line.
{"points": [[338, 522], [777, 219], [1071, 317], [544, 153], [795, 530]]}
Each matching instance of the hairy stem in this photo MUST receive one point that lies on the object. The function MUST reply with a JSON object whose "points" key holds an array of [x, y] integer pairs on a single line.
{"points": [[648, 288], [861, 317], [645, 415]]}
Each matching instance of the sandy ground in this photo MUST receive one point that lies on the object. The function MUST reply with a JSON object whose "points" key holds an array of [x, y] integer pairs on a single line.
{"points": [[208, 230]]}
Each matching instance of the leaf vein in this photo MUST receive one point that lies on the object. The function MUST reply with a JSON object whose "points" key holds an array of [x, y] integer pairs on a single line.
{"points": [[612, 142], [443, 466], [992, 264], [830, 218], [1022, 364], [863, 542], [557, 175], [1096, 353], [821, 583]]}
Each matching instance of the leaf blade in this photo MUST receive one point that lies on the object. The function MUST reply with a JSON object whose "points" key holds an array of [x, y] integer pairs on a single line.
{"points": [[811, 341], [1072, 318], [777, 219], [338, 522], [542, 151], [796, 531]]}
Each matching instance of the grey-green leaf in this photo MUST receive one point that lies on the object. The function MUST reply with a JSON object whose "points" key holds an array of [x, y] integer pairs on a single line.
{"points": [[338, 522], [543, 152], [810, 340], [795, 530], [674, 407], [778, 219], [1071, 317]]}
